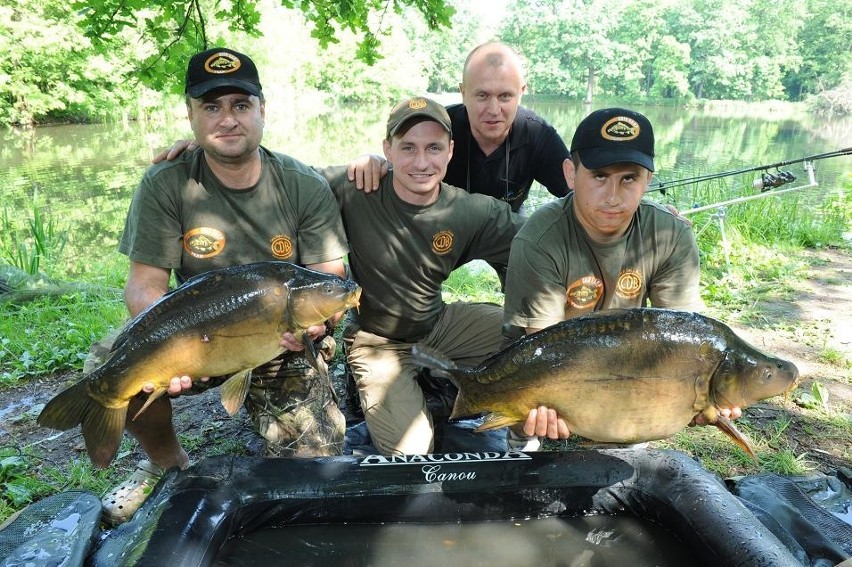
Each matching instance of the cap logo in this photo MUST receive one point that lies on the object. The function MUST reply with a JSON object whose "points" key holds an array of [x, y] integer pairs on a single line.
{"points": [[222, 63], [620, 129], [416, 104]]}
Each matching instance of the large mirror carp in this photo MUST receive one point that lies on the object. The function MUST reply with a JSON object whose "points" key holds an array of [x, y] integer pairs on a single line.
{"points": [[620, 376], [220, 323]]}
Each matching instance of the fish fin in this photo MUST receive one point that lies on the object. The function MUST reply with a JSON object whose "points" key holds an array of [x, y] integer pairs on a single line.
{"points": [[438, 364], [312, 357], [103, 429], [68, 408], [728, 427], [153, 396], [495, 421], [235, 390]]}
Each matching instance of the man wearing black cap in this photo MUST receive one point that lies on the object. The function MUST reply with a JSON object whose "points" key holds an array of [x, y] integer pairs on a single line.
{"points": [[228, 202], [405, 240], [601, 247]]}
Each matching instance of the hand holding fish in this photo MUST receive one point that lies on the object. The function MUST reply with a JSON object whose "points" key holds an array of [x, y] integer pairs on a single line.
{"points": [[544, 422], [290, 342], [176, 385], [729, 413]]}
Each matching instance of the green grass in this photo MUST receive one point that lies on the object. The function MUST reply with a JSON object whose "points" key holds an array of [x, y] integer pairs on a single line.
{"points": [[52, 334]]}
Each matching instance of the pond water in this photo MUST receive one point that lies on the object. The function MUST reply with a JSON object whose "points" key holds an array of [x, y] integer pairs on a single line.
{"points": [[83, 176], [588, 541]]}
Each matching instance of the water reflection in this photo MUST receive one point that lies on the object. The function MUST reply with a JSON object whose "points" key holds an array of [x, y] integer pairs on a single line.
{"points": [[84, 175], [585, 541]]}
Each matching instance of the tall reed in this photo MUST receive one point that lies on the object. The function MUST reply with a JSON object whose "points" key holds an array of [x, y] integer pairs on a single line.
{"points": [[39, 244]]}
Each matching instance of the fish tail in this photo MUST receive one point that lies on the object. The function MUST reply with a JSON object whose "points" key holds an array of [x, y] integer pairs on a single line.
{"points": [[103, 429], [440, 365], [437, 363], [102, 426]]}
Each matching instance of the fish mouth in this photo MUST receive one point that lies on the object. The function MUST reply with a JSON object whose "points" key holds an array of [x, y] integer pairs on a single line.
{"points": [[793, 385], [355, 299]]}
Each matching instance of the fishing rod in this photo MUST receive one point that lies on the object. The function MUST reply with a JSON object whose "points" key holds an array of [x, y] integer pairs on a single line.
{"points": [[767, 180]]}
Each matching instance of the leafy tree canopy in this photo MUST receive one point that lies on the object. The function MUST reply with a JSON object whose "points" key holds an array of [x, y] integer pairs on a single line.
{"points": [[176, 29]]}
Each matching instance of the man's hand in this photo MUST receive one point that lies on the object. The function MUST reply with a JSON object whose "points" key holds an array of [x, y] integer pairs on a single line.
{"points": [[290, 342], [367, 171], [177, 148], [544, 422], [730, 413], [177, 385]]}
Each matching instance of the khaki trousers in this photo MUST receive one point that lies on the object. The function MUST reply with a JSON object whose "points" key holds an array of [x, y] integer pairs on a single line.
{"points": [[386, 377]]}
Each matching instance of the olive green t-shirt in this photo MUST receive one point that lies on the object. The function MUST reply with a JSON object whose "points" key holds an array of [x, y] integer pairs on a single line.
{"points": [[402, 253], [182, 218], [557, 272]]}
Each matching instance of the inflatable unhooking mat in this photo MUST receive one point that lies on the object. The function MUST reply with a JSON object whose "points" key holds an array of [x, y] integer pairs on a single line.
{"points": [[195, 514]]}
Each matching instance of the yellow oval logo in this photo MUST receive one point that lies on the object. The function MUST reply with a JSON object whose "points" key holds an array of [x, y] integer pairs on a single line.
{"points": [[222, 63], [204, 242], [442, 242], [281, 247], [584, 293], [416, 104], [629, 284], [620, 129]]}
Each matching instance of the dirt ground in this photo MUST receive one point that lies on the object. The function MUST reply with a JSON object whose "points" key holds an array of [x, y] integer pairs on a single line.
{"points": [[818, 318]]}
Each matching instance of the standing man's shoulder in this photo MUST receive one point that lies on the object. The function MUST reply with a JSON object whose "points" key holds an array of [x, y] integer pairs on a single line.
{"points": [[530, 127]]}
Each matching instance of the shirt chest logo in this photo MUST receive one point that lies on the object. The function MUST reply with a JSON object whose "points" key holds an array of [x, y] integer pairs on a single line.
{"points": [[630, 283], [584, 293], [281, 246], [204, 242], [442, 242]]}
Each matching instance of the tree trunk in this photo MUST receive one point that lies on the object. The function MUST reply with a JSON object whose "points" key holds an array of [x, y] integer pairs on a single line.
{"points": [[590, 85]]}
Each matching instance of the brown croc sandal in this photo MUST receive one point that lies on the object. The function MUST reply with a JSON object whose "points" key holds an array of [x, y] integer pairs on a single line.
{"points": [[120, 503]]}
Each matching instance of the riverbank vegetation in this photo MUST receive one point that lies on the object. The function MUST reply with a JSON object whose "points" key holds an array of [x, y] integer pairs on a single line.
{"points": [[98, 60]]}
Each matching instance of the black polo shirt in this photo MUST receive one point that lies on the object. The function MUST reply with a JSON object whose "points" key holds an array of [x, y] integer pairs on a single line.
{"points": [[532, 151]]}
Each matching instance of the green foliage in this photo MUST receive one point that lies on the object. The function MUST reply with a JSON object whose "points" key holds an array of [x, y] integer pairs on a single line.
{"points": [[50, 71], [674, 49], [387, 80], [25, 477], [44, 240], [475, 281], [53, 333], [823, 46], [104, 59], [817, 398], [173, 30]]}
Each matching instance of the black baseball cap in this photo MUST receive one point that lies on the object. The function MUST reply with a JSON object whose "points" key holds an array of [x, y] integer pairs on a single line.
{"points": [[221, 67], [414, 107], [614, 135]]}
